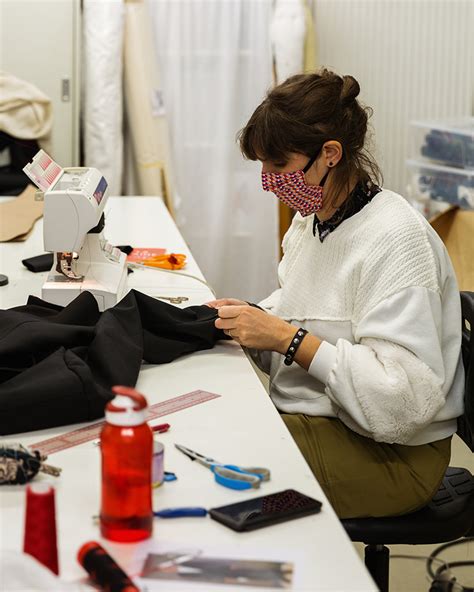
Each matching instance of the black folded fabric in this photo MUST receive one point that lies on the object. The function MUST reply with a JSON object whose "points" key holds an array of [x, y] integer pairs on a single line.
{"points": [[39, 263], [127, 249], [57, 364]]}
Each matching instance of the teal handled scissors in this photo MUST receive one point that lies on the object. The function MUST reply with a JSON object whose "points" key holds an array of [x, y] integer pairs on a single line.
{"points": [[231, 476]]}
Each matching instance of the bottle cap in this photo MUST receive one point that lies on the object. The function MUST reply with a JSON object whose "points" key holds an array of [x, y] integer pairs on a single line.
{"points": [[127, 408]]}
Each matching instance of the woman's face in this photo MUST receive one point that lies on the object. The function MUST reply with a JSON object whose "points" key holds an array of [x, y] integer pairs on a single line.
{"points": [[329, 156]]}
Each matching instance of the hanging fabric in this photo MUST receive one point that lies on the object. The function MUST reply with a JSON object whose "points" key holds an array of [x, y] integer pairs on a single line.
{"points": [[103, 25], [215, 60], [287, 30], [293, 38], [294, 51], [145, 108], [310, 60]]}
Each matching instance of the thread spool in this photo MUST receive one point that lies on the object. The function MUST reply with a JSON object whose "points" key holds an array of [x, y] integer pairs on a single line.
{"points": [[157, 464], [103, 570], [40, 525]]}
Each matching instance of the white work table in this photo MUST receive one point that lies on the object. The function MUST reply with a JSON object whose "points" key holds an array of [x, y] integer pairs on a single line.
{"points": [[240, 427]]}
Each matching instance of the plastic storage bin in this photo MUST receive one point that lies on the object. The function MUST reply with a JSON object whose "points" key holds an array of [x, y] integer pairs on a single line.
{"points": [[441, 183], [450, 143]]}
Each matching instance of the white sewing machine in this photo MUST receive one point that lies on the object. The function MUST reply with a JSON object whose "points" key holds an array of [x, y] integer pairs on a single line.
{"points": [[74, 201]]}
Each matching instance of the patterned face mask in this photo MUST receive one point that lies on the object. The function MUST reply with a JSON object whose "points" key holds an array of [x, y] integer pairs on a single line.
{"points": [[292, 190]]}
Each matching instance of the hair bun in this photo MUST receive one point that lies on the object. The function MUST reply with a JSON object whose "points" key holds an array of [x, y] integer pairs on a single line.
{"points": [[350, 90]]}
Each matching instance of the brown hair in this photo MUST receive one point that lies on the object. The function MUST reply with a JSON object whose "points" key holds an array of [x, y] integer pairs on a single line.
{"points": [[303, 113]]}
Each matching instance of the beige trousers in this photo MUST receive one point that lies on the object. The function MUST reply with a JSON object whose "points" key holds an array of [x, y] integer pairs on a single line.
{"points": [[362, 477]]}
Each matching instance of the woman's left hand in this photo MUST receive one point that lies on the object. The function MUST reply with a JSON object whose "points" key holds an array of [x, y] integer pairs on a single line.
{"points": [[252, 327]]}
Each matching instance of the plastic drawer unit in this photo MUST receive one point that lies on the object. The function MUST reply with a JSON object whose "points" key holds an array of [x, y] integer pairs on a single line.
{"points": [[450, 143], [442, 183]]}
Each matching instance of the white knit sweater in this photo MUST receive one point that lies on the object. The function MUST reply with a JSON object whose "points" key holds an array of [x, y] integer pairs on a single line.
{"points": [[381, 293]]}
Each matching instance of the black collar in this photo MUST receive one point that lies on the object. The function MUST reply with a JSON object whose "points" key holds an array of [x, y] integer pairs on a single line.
{"points": [[361, 195]]}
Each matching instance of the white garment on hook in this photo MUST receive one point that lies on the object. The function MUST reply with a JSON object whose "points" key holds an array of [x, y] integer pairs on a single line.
{"points": [[103, 31], [216, 66], [288, 30]]}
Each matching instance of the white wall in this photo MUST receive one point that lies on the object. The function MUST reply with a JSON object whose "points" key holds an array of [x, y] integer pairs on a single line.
{"points": [[414, 59], [40, 43]]}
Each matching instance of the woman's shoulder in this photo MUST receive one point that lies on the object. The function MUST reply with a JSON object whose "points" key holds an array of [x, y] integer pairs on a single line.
{"points": [[391, 222], [400, 250], [389, 210]]}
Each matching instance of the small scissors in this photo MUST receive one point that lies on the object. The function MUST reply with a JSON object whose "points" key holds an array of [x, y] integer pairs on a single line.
{"points": [[231, 476], [173, 299]]}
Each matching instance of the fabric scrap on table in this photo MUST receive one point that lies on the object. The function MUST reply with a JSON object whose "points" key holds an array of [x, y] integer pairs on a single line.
{"points": [[18, 215]]}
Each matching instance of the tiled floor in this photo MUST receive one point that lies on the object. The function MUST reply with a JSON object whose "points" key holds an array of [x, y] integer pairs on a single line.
{"points": [[409, 575]]}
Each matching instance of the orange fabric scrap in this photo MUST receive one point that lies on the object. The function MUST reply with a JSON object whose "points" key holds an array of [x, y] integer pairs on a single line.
{"points": [[168, 261]]}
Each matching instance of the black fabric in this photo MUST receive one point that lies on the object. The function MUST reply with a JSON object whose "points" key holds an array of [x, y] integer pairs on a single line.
{"points": [[57, 364], [127, 249], [255, 306], [361, 195], [39, 263], [12, 178], [466, 421]]}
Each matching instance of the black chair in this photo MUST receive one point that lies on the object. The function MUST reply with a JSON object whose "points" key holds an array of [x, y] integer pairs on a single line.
{"points": [[450, 514]]}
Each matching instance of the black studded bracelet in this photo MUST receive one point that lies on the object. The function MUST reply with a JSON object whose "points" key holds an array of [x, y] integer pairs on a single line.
{"points": [[294, 345]]}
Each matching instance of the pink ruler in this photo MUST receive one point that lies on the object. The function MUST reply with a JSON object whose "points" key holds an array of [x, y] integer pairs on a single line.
{"points": [[88, 433]]}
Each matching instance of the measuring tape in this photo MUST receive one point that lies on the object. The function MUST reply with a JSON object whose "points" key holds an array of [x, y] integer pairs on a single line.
{"points": [[88, 433]]}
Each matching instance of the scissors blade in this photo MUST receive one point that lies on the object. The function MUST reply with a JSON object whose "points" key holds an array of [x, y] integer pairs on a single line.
{"points": [[193, 455], [233, 479]]}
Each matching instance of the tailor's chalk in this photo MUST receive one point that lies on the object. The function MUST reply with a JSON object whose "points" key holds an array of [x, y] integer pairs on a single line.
{"points": [[157, 464], [169, 476]]}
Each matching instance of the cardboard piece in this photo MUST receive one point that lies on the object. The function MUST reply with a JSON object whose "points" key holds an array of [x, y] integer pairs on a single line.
{"points": [[18, 215], [456, 229]]}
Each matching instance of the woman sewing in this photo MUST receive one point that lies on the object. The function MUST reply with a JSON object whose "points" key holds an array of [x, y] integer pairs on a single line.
{"points": [[362, 340]]}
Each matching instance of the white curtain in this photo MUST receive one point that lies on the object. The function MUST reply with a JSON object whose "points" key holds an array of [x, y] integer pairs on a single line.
{"points": [[216, 65]]}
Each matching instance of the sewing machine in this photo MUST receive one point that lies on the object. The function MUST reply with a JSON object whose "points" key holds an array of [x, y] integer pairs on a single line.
{"points": [[74, 201]]}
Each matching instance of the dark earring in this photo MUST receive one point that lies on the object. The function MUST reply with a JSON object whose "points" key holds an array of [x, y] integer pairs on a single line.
{"points": [[330, 164]]}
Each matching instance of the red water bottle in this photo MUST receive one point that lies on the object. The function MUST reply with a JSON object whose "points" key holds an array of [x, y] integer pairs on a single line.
{"points": [[126, 444]]}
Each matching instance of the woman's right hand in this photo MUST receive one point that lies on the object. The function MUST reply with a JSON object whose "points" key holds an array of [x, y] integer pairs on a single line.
{"points": [[226, 302]]}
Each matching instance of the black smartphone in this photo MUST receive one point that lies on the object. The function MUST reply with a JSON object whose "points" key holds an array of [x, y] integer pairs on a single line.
{"points": [[268, 509]]}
